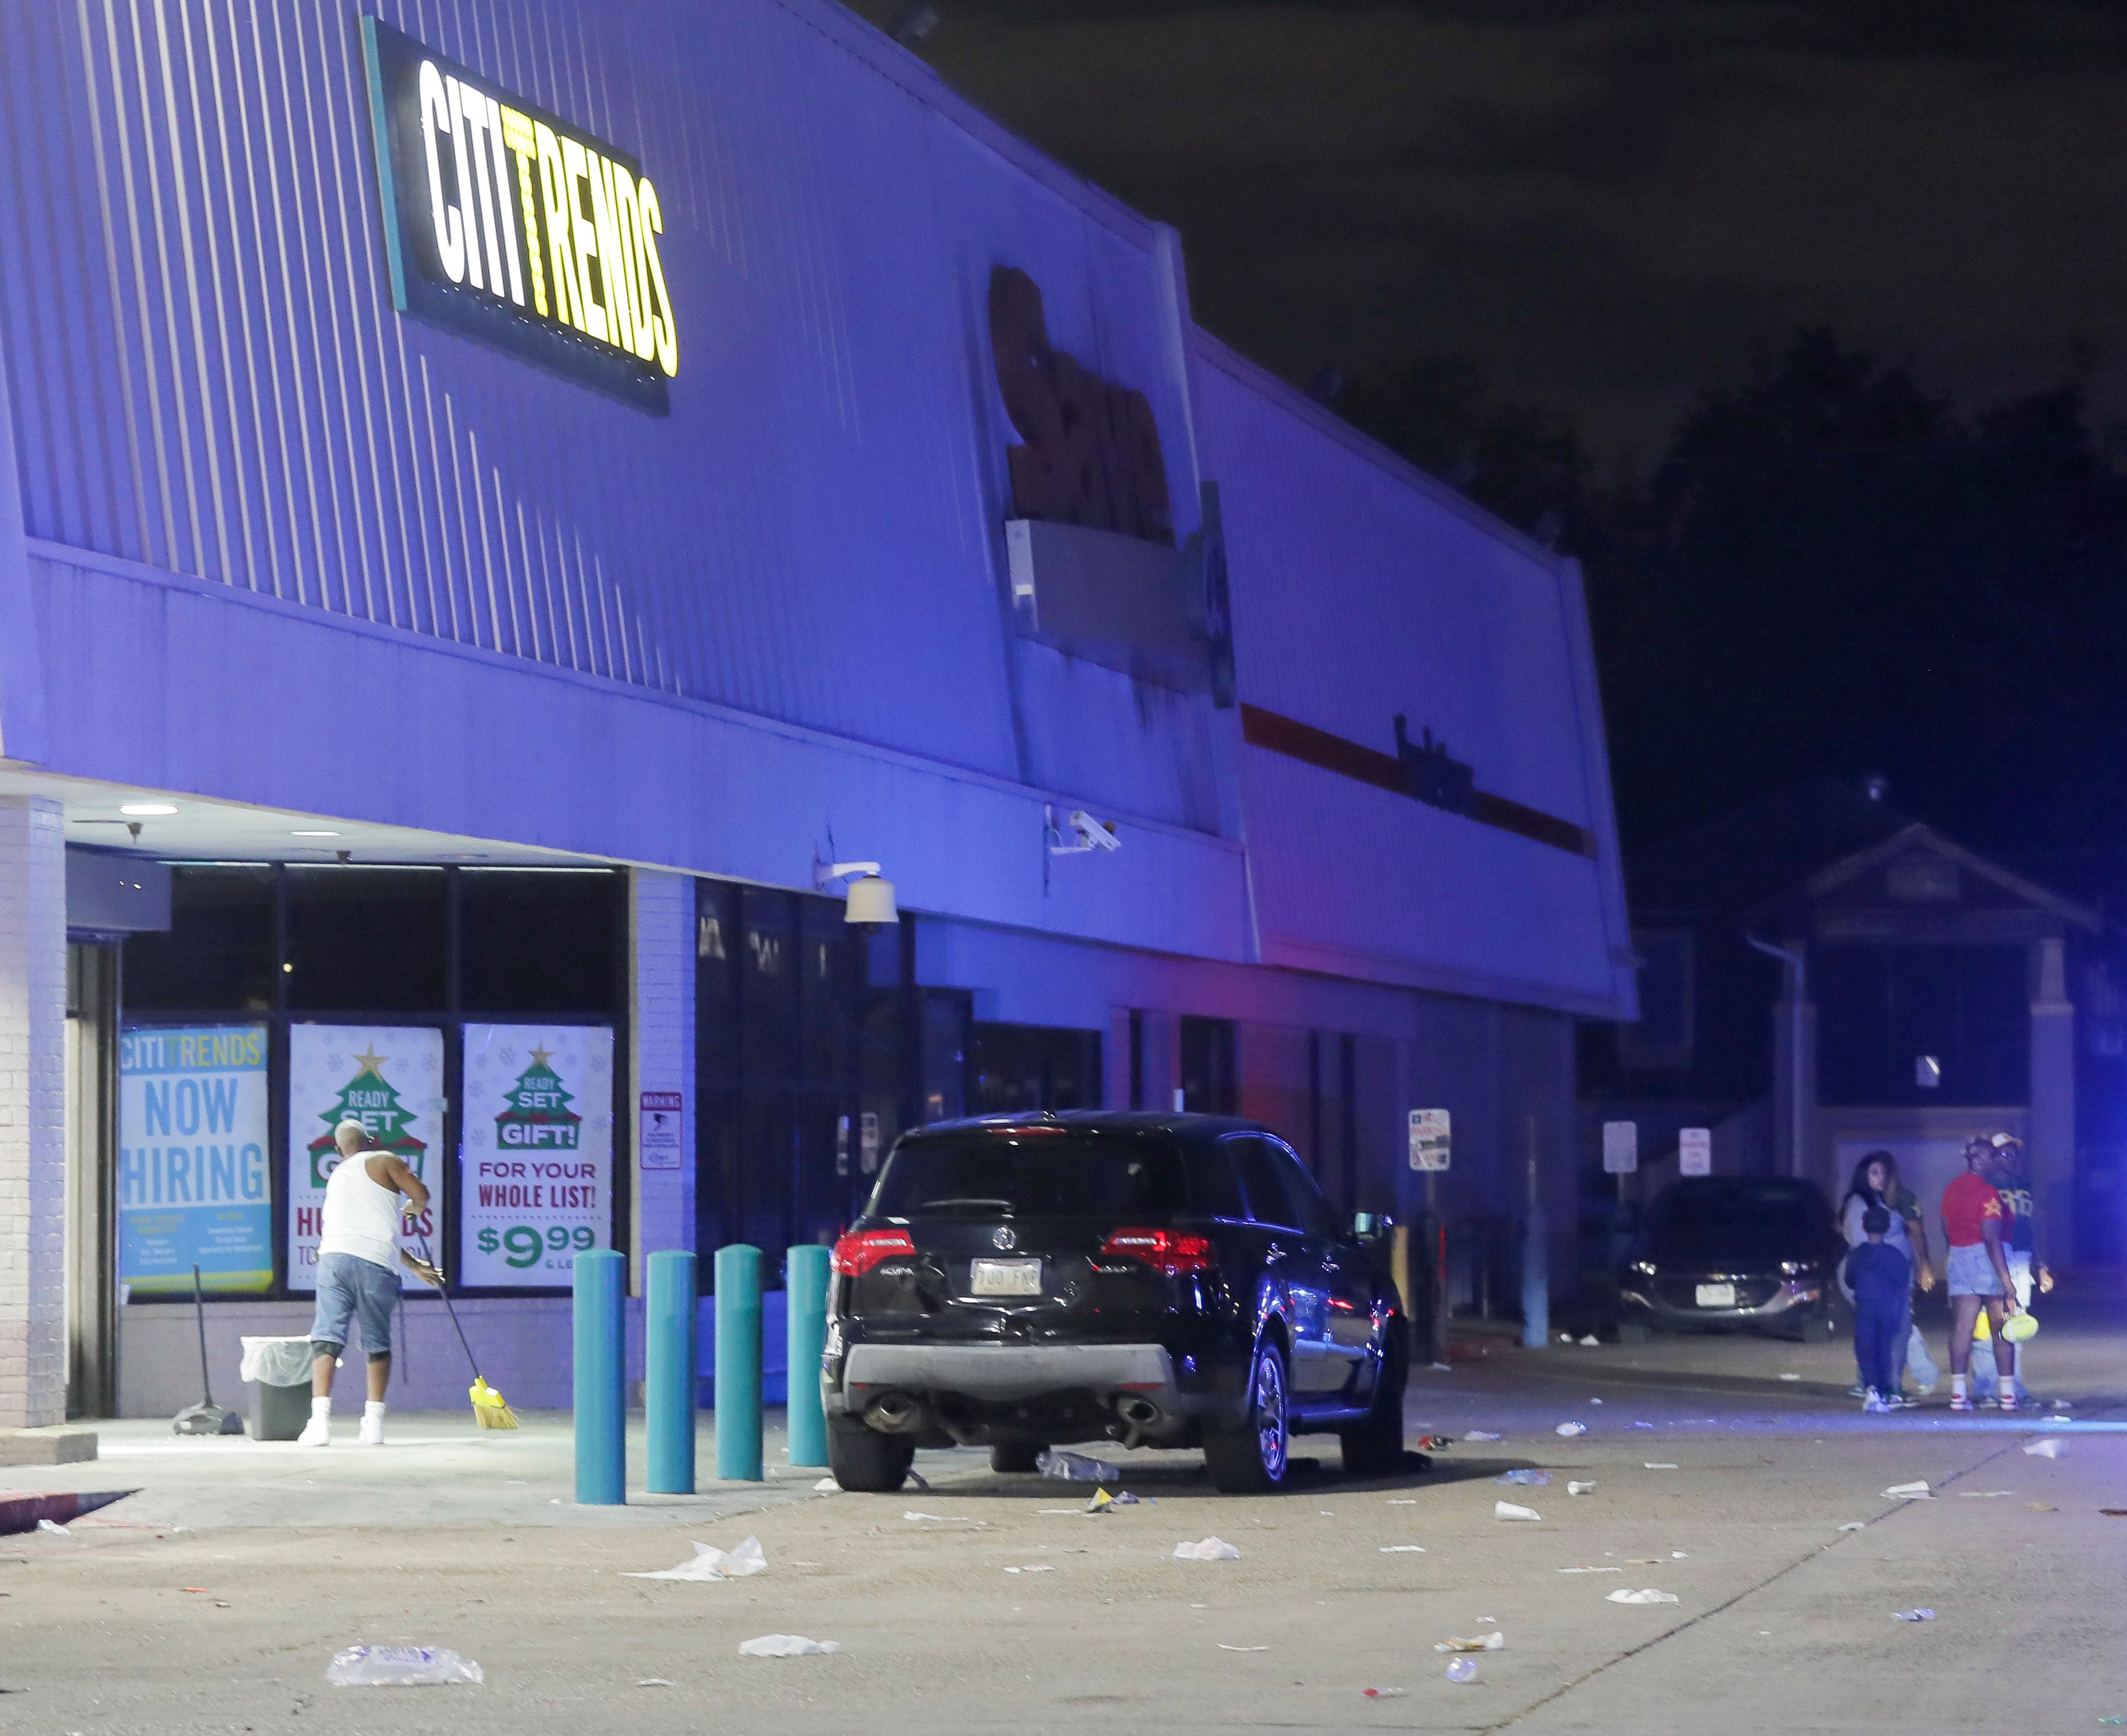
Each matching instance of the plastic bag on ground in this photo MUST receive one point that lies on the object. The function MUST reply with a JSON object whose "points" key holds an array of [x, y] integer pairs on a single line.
{"points": [[1530, 1479], [787, 1645], [1461, 1669], [1212, 1548], [1491, 1642], [1572, 1428], [1912, 1614], [710, 1563], [401, 1667], [1649, 1596], [1480, 1435], [1075, 1468], [1507, 1509], [276, 1361], [2043, 1449]]}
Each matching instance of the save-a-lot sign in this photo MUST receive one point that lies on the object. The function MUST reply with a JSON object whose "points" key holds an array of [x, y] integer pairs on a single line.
{"points": [[504, 223]]}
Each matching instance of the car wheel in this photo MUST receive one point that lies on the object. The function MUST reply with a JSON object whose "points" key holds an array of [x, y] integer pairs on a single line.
{"points": [[866, 1461], [1375, 1448], [1008, 1457], [1252, 1458]]}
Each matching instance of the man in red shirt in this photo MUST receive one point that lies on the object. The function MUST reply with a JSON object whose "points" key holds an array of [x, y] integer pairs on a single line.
{"points": [[1972, 1219]]}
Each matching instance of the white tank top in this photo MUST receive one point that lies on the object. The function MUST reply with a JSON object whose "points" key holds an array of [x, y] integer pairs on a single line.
{"points": [[361, 1217]]}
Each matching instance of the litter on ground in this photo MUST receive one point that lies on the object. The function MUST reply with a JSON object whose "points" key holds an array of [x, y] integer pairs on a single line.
{"points": [[2041, 1506], [1594, 1400], [1042, 1567], [1386, 1693], [1649, 1596], [1790, 1377], [1579, 1488], [1403, 1549], [1528, 1479], [1212, 1548], [1909, 1492], [1410, 1501], [1661, 1467], [1483, 1643], [1913, 1615], [1224, 1646], [1591, 1339], [399, 1667], [786, 1645], [915, 1518], [2044, 1448], [825, 1486], [1074, 1468], [1480, 1435], [1103, 1500], [1591, 1570], [710, 1563], [1983, 1494], [1507, 1509], [653, 1681], [1855, 1524], [1461, 1669], [1572, 1428]]}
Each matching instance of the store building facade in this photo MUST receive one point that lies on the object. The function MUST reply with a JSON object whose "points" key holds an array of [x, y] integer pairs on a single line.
{"points": [[496, 494]]}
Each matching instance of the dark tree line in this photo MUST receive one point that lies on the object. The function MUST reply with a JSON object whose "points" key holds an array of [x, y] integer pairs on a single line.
{"points": [[1830, 572]]}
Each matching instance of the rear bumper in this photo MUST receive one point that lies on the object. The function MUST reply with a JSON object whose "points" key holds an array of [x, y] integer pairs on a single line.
{"points": [[1003, 1373]]}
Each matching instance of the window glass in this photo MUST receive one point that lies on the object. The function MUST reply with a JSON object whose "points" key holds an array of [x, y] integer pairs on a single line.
{"points": [[218, 955], [1040, 1174], [1268, 1198], [1311, 1209], [365, 939], [539, 941], [1215, 1191]]}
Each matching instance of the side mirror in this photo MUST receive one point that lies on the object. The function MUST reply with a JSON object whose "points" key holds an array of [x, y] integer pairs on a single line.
{"points": [[1367, 1225]]}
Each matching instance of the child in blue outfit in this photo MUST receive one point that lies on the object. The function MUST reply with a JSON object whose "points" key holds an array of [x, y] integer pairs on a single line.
{"points": [[1883, 1281]]}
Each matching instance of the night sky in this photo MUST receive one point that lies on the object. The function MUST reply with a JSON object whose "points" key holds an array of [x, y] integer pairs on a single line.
{"points": [[1606, 206]]}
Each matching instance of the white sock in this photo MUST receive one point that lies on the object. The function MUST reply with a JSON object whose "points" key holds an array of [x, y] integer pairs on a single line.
{"points": [[1957, 1386], [372, 1409], [321, 1407]]}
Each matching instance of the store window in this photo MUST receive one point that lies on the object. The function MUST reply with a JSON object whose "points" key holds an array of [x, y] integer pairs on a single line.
{"points": [[540, 940], [1013, 1067], [219, 954], [365, 939], [1209, 1086]]}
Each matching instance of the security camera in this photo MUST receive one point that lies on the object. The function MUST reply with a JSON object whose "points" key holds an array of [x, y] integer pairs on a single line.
{"points": [[1093, 835]]}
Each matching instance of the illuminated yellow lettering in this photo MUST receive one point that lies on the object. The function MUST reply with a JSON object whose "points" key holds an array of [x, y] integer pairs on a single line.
{"points": [[612, 262], [560, 233], [627, 221], [436, 114], [517, 135], [504, 222], [466, 205], [576, 169], [666, 333]]}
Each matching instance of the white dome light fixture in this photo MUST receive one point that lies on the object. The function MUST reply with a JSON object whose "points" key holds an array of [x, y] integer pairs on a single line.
{"points": [[147, 810], [870, 895]]}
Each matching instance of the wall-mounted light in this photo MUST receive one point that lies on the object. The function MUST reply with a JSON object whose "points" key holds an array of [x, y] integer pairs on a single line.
{"points": [[148, 810], [870, 895]]}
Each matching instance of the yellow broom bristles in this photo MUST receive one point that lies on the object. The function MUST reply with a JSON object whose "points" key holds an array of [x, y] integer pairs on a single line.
{"points": [[488, 1409]]}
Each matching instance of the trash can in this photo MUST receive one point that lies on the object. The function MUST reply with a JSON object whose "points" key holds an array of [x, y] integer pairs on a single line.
{"points": [[279, 1371]]}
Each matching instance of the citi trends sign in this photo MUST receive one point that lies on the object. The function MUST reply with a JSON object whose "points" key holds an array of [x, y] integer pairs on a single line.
{"points": [[505, 224]]}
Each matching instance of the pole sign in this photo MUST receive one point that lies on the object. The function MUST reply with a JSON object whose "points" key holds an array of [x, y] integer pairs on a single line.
{"points": [[1695, 1152], [390, 1078], [193, 1184], [1429, 1140], [1621, 1148], [657, 1145], [537, 1187], [504, 224]]}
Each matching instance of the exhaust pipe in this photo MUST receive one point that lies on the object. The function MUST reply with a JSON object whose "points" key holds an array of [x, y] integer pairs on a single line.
{"points": [[894, 1413], [1137, 1413]]}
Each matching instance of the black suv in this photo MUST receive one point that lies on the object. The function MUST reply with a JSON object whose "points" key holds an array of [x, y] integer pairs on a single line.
{"points": [[1021, 1281]]}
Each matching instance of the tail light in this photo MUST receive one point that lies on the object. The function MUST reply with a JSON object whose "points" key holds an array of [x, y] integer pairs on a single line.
{"points": [[1167, 1250], [857, 1253]]}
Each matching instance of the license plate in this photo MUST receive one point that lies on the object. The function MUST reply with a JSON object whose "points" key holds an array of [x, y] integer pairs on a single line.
{"points": [[1005, 1278], [1717, 1295]]}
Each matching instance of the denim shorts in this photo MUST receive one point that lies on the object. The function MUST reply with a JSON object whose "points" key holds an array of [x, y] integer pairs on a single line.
{"points": [[348, 1284], [1972, 1273]]}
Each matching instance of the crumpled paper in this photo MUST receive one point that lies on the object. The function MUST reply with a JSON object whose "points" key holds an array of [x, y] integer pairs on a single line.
{"points": [[1648, 1596], [786, 1645], [1212, 1548], [711, 1562]]}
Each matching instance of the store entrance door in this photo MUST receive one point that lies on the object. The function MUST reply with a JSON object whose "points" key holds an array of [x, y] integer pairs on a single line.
{"points": [[92, 1218]]}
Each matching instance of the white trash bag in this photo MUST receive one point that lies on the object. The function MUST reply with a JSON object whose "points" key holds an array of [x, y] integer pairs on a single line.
{"points": [[277, 1361], [401, 1667]]}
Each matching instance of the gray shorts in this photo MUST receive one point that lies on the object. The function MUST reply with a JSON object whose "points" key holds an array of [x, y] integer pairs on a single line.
{"points": [[1972, 1273], [350, 1286]]}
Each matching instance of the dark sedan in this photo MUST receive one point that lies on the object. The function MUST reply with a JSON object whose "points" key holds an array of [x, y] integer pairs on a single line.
{"points": [[1733, 1251]]}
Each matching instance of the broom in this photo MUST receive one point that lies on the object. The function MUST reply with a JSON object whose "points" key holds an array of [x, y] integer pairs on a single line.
{"points": [[488, 1409]]}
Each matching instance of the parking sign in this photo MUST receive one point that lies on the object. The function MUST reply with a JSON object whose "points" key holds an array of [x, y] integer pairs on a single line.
{"points": [[1429, 1140], [1694, 1151], [1621, 1148]]}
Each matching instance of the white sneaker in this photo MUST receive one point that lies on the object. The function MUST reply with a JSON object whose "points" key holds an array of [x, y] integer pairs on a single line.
{"points": [[316, 1432], [371, 1433]]}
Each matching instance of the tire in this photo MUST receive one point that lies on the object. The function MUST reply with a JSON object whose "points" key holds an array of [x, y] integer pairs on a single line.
{"points": [[1375, 1448], [1011, 1458], [1253, 1458], [866, 1461], [1634, 1331]]}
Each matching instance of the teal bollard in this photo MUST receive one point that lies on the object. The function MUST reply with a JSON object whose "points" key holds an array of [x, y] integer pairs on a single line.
{"points": [[601, 1418], [805, 1299], [668, 1373], [738, 1364]]}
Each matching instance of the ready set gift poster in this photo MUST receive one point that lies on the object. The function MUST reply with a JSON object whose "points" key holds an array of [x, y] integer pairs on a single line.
{"points": [[537, 1170], [193, 1184], [389, 1078]]}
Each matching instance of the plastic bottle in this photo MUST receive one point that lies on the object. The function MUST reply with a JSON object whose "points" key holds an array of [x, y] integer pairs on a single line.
{"points": [[400, 1666], [1461, 1669]]}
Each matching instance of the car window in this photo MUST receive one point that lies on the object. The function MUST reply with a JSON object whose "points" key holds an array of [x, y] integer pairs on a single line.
{"points": [[1314, 1215], [1215, 1190], [1032, 1172]]}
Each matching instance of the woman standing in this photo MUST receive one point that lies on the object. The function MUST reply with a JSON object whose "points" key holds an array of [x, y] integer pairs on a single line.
{"points": [[1876, 1183]]}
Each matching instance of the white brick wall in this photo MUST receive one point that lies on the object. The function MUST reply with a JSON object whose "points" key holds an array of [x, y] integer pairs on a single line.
{"points": [[661, 925], [32, 1113]]}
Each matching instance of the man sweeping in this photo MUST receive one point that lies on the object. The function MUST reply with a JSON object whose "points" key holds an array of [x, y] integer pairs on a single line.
{"points": [[358, 1261]]}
